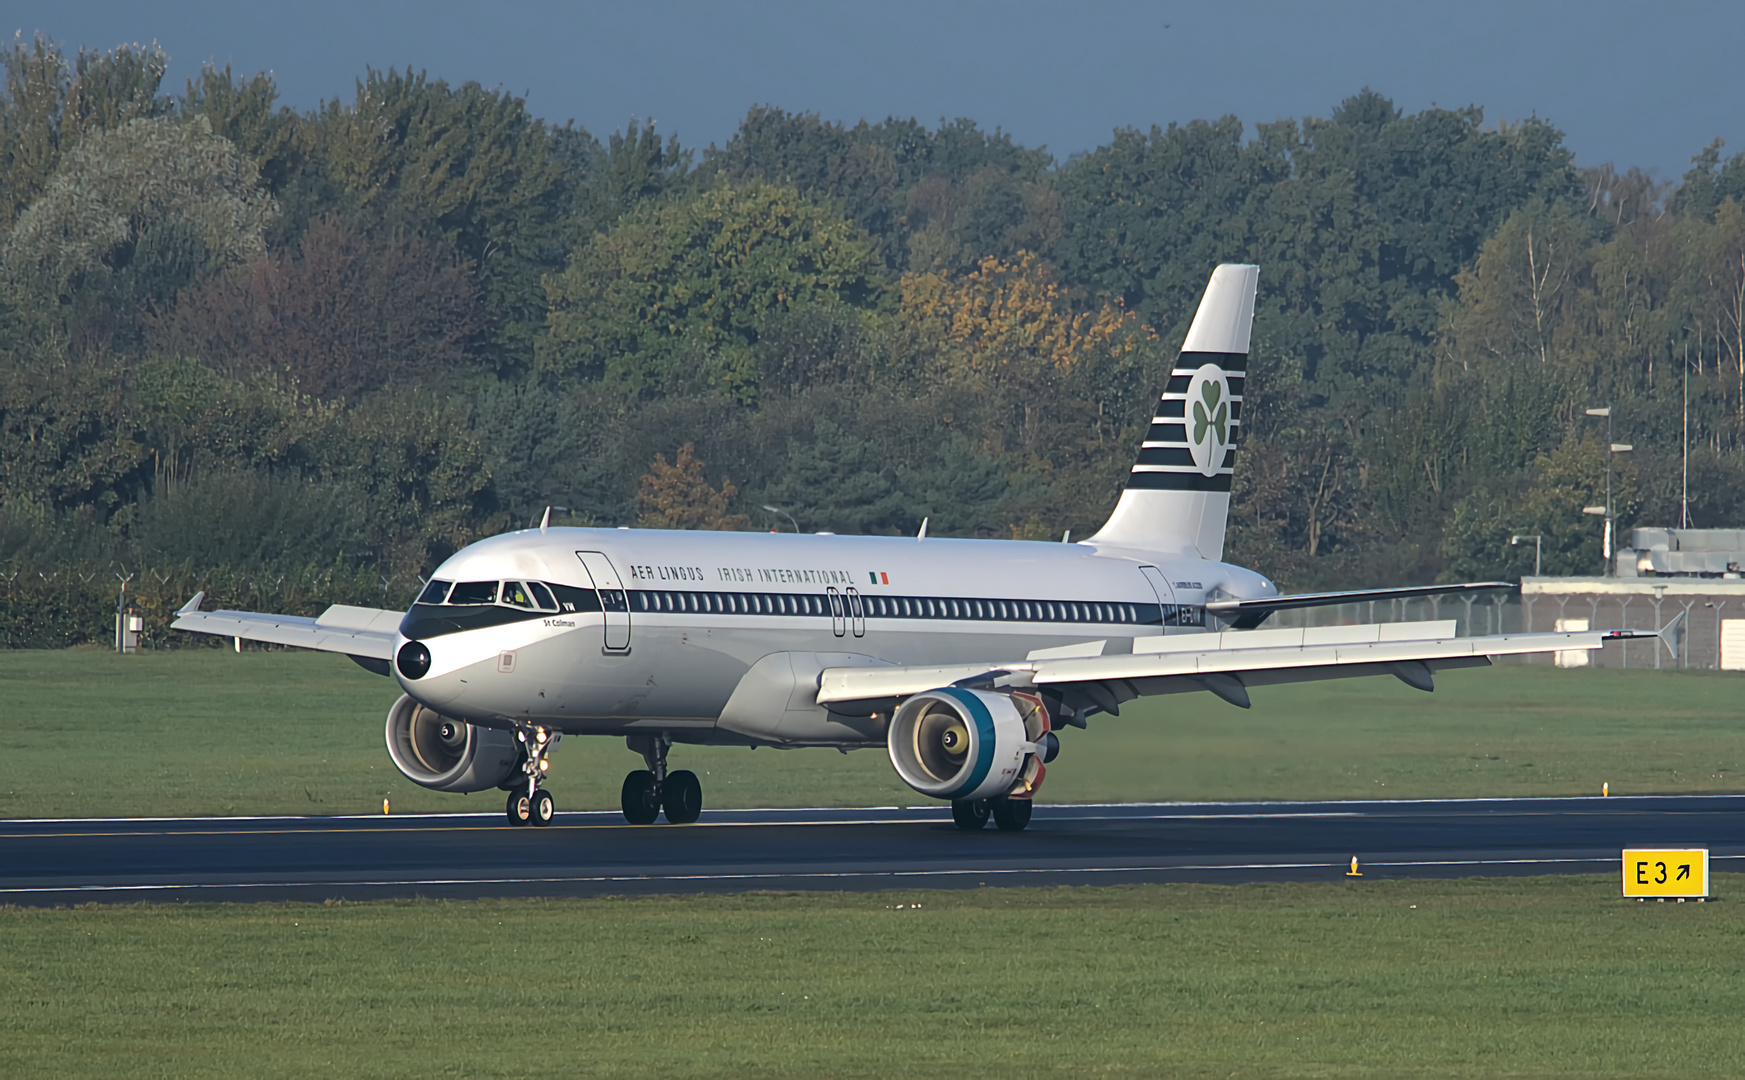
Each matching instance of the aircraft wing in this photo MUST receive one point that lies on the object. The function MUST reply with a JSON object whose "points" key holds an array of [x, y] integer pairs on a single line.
{"points": [[359, 632], [1227, 664], [1248, 614]]}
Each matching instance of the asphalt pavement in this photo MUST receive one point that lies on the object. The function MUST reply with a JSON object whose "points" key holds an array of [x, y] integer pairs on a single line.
{"points": [[54, 862]]}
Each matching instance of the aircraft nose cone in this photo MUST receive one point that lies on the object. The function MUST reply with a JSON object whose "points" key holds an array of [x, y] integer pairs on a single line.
{"points": [[413, 660]]}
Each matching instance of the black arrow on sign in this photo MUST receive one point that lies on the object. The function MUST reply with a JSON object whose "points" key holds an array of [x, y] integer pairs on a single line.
{"points": [[1683, 871]]}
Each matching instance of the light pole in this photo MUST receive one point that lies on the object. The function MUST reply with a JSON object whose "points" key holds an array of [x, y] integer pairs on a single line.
{"points": [[784, 513], [1612, 448], [1537, 548]]}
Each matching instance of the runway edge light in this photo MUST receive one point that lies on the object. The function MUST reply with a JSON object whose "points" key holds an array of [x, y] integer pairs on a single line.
{"points": [[1666, 873]]}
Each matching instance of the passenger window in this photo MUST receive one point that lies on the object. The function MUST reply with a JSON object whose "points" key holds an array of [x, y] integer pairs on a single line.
{"points": [[515, 594], [435, 592], [474, 592], [542, 595]]}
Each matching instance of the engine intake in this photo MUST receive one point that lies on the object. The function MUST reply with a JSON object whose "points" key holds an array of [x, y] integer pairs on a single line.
{"points": [[436, 751], [960, 744]]}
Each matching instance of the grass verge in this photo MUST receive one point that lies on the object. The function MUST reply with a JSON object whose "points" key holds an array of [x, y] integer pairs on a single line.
{"points": [[196, 732], [1543, 977]]}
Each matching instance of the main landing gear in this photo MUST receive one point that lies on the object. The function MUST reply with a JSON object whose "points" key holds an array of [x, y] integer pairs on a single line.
{"points": [[1010, 815], [649, 791], [529, 803]]}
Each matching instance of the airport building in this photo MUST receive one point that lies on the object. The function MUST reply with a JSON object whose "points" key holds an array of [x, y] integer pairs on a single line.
{"points": [[1663, 573]]}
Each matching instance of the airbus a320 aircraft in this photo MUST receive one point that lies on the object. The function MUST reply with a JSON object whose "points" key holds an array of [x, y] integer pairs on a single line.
{"points": [[961, 657]]}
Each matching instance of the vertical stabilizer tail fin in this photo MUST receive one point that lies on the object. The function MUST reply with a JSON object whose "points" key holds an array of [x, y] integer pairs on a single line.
{"points": [[1178, 494]]}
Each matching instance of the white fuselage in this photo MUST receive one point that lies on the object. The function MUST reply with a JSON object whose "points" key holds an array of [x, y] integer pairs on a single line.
{"points": [[699, 610]]}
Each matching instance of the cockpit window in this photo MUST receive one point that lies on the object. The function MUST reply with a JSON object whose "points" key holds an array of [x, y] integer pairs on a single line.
{"points": [[435, 592], [515, 594], [543, 595], [474, 592]]}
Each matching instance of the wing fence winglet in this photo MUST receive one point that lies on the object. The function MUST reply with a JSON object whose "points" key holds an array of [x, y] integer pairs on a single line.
{"points": [[1672, 634], [192, 605]]}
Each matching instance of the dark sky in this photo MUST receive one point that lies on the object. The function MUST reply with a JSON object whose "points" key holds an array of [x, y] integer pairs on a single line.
{"points": [[1630, 83]]}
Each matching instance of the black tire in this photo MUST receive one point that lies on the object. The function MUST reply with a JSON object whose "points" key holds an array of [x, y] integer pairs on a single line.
{"points": [[519, 808], [541, 808], [970, 816], [683, 798], [638, 798], [1011, 815]]}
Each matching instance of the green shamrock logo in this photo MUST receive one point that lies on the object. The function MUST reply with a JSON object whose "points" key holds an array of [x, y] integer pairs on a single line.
{"points": [[1213, 413]]}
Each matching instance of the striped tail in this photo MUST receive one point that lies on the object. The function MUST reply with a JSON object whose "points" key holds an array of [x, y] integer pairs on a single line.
{"points": [[1178, 495]]}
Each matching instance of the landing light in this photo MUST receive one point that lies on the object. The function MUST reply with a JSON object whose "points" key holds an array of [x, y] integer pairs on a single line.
{"points": [[544, 765]]}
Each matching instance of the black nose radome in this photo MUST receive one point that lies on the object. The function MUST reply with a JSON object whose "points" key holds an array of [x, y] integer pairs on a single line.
{"points": [[414, 660]]}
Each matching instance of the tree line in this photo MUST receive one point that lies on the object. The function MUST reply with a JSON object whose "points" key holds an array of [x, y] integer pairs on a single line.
{"points": [[235, 334]]}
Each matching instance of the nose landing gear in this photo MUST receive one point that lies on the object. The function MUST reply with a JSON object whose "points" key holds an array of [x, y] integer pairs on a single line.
{"points": [[529, 803], [649, 791]]}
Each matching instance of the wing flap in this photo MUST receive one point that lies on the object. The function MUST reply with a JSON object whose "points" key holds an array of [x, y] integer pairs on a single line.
{"points": [[1160, 665]]}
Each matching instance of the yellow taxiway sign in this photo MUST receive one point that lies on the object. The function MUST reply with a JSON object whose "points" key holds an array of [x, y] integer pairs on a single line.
{"points": [[1664, 873]]}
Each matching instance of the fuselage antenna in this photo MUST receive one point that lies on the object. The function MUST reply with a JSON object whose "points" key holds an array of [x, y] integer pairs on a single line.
{"points": [[922, 535], [545, 520]]}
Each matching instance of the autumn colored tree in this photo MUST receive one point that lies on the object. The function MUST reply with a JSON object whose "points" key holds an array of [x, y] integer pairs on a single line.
{"points": [[678, 496], [1066, 378]]}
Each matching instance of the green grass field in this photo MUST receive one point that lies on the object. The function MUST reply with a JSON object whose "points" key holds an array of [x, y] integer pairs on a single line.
{"points": [[1543, 977], [88, 733]]}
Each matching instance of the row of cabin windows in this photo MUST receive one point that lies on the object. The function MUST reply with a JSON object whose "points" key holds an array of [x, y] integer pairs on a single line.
{"points": [[536, 596], [915, 607]]}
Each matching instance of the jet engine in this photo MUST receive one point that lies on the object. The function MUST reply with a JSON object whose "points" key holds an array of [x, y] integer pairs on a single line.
{"points": [[964, 745], [436, 751]]}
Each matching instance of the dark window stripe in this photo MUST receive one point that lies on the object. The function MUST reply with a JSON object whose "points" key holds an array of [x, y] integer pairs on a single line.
{"points": [[956, 608]]}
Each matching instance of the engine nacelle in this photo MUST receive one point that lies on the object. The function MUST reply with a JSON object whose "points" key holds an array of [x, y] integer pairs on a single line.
{"points": [[959, 744], [439, 752]]}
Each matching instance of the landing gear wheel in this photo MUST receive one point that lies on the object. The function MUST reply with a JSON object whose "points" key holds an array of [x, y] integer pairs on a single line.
{"points": [[520, 808], [541, 809], [640, 798], [1012, 815], [969, 815], [682, 797]]}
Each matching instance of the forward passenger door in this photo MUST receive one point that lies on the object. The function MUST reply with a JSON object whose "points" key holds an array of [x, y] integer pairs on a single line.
{"points": [[614, 602]]}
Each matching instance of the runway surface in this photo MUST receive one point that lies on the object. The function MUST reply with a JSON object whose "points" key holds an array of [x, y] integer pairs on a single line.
{"points": [[582, 854]]}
